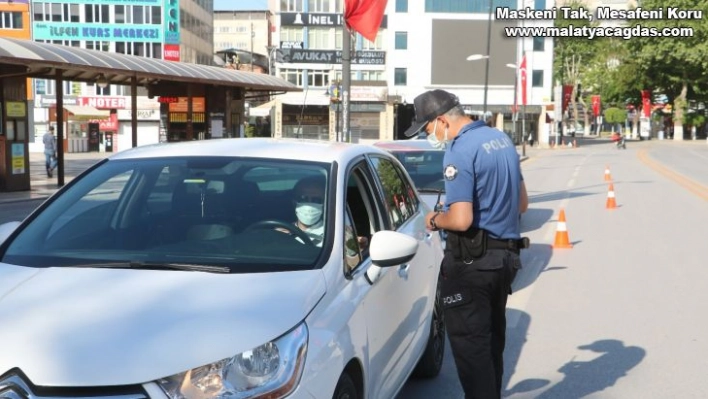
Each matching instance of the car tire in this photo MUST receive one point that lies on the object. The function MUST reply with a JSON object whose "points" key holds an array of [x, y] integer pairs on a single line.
{"points": [[346, 389], [431, 361]]}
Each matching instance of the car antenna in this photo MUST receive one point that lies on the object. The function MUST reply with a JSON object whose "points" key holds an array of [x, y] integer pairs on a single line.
{"points": [[438, 206]]}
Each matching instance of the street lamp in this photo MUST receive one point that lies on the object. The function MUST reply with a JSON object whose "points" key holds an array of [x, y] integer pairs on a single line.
{"points": [[523, 120], [335, 99], [477, 57]]}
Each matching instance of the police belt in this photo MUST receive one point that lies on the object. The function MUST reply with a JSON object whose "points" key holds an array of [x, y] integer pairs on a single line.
{"points": [[509, 244]]}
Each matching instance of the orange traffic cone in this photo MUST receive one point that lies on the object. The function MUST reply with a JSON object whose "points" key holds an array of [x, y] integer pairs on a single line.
{"points": [[611, 202], [608, 176], [562, 240]]}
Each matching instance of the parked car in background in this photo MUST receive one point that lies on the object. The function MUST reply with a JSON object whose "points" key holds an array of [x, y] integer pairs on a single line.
{"points": [[178, 271]]}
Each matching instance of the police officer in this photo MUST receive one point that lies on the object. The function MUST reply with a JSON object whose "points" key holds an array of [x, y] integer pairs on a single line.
{"points": [[485, 194]]}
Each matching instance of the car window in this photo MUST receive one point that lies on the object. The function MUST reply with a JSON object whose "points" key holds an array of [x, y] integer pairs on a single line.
{"points": [[424, 168], [362, 209], [243, 213], [352, 251], [400, 202]]}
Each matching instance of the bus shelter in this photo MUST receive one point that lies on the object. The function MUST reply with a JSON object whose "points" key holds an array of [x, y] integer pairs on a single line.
{"points": [[223, 91]]}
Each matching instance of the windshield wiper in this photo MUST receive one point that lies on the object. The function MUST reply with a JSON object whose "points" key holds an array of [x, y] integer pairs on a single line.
{"points": [[158, 266]]}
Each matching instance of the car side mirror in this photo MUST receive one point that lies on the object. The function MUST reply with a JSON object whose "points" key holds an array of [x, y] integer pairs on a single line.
{"points": [[390, 248], [6, 229]]}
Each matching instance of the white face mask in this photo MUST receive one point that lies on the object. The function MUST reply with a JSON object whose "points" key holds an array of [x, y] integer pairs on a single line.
{"points": [[308, 213], [433, 138]]}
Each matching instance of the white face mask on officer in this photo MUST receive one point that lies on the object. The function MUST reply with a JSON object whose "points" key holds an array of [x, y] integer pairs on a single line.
{"points": [[433, 138], [308, 213]]}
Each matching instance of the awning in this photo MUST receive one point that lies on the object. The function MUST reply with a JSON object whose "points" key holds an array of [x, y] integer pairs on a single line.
{"points": [[86, 113], [42, 60]]}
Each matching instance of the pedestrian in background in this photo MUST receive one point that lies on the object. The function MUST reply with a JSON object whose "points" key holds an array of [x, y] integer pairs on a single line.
{"points": [[50, 150], [485, 194]]}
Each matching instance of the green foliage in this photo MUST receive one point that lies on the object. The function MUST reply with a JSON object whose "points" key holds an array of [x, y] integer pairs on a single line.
{"points": [[567, 49], [250, 130], [695, 119], [615, 115], [670, 62]]}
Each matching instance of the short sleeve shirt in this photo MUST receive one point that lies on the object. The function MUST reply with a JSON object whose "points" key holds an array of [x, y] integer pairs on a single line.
{"points": [[481, 166]]}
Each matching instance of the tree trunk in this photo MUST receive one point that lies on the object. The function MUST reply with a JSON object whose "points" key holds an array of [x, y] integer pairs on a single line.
{"points": [[586, 119], [679, 109]]}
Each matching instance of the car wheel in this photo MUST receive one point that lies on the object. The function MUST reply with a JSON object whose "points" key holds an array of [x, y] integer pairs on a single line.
{"points": [[431, 362], [346, 389]]}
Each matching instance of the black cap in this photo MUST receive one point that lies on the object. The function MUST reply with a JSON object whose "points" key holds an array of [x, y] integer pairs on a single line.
{"points": [[428, 106]]}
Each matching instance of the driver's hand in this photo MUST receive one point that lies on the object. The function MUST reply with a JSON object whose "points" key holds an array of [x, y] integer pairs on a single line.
{"points": [[282, 230]]}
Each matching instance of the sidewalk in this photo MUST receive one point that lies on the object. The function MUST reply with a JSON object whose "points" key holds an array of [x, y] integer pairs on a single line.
{"points": [[41, 186]]}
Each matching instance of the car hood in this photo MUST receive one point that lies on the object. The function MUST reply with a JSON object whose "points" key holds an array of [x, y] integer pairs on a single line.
{"points": [[99, 327]]}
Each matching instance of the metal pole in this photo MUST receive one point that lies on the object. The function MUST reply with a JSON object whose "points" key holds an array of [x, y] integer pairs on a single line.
{"points": [[525, 89], [486, 68], [346, 81], [134, 111], [59, 83], [337, 121]]}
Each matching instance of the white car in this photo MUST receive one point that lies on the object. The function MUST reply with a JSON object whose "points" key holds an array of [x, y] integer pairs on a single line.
{"points": [[177, 271]]}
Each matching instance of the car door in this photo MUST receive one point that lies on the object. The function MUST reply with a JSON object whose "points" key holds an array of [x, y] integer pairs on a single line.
{"points": [[416, 281], [385, 308]]}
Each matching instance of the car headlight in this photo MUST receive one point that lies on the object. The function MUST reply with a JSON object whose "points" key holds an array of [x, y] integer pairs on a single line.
{"points": [[272, 369]]}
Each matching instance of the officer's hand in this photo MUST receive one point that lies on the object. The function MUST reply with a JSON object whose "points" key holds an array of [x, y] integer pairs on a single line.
{"points": [[427, 220]]}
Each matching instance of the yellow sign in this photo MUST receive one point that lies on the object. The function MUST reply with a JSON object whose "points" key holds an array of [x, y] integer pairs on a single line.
{"points": [[16, 109]]}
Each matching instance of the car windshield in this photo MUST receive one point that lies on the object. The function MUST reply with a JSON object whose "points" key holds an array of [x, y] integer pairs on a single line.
{"points": [[424, 167], [238, 214]]}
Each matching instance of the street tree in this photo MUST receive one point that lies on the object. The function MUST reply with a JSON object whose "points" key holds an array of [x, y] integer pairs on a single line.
{"points": [[572, 57], [674, 65]]}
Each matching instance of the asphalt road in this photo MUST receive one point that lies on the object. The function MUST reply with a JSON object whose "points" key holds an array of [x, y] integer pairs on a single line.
{"points": [[620, 314]]}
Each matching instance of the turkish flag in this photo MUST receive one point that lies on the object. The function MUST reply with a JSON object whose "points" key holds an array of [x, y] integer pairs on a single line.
{"points": [[364, 16], [522, 69], [646, 103], [596, 105]]}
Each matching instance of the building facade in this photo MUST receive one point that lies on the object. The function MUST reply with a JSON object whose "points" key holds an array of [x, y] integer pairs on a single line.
{"points": [[175, 30], [421, 45], [243, 39], [431, 42]]}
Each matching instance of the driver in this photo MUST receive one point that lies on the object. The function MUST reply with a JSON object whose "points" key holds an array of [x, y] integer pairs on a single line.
{"points": [[309, 207]]}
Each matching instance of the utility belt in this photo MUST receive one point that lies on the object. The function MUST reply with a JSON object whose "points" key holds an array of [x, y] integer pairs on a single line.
{"points": [[474, 243]]}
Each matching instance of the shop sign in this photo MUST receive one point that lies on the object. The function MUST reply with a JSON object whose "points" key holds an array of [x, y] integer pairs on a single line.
{"points": [[143, 115], [89, 31], [104, 102], [316, 19], [307, 119], [16, 109], [292, 55], [171, 18]]}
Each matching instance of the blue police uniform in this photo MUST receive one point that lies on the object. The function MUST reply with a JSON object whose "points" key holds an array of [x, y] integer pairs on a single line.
{"points": [[481, 166]]}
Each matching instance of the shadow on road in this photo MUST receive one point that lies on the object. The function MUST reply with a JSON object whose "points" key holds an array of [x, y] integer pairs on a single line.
{"points": [[583, 378], [535, 218]]}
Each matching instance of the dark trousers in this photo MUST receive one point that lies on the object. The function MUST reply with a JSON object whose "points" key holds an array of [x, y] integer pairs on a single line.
{"points": [[474, 296]]}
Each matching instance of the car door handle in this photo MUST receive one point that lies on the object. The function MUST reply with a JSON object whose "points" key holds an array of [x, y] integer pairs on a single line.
{"points": [[403, 270]]}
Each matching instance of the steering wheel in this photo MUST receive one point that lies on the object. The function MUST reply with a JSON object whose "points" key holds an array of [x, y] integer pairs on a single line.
{"points": [[273, 224]]}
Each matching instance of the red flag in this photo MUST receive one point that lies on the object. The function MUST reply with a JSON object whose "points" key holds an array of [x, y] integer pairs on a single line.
{"points": [[646, 102], [596, 105], [364, 16], [522, 68]]}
